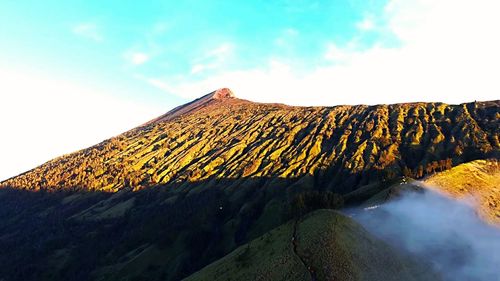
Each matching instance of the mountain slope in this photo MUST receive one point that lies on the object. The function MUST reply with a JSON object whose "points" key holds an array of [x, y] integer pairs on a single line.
{"points": [[164, 200], [214, 98], [478, 181], [343, 147], [325, 245]]}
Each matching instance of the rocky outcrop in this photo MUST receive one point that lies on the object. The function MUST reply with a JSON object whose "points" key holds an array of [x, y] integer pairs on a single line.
{"points": [[223, 93]]}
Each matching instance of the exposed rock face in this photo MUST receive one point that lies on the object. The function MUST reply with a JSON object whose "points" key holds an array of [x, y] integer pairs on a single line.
{"points": [[342, 147], [223, 93]]}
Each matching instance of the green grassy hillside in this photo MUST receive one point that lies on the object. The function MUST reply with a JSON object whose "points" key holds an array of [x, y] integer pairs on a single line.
{"points": [[324, 245], [269, 257]]}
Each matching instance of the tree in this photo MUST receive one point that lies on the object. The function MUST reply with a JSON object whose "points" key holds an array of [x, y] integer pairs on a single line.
{"points": [[309, 201]]}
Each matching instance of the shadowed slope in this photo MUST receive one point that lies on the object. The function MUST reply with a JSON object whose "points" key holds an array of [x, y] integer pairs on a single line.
{"points": [[332, 247], [157, 233], [225, 137]]}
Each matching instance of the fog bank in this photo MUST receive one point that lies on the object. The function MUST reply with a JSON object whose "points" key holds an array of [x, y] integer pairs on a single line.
{"points": [[445, 232]]}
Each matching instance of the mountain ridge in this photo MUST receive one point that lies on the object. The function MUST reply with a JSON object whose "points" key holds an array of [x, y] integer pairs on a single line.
{"points": [[229, 137]]}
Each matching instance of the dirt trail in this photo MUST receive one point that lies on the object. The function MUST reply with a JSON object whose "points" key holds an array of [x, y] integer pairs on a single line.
{"points": [[295, 243]]}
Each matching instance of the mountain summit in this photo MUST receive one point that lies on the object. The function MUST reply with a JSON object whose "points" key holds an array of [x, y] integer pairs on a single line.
{"points": [[223, 93], [215, 97]]}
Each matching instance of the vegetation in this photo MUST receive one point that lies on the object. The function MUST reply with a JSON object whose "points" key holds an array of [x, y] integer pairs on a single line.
{"points": [[155, 234], [344, 147], [479, 180], [332, 247], [164, 200], [308, 201]]}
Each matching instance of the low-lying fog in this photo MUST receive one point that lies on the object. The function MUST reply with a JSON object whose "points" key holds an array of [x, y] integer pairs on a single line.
{"points": [[445, 232]]}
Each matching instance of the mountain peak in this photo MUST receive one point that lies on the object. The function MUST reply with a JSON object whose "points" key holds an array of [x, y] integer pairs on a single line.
{"points": [[215, 97], [223, 93]]}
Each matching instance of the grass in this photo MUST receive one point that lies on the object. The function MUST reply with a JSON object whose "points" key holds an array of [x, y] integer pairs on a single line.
{"points": [[329, 244], [269, 257], [479, 180]]}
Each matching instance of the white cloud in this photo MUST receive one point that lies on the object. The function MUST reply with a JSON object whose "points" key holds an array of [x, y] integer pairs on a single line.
{"points": [[158, 84], [366, 24], [221, 50], [138, 58], [88, 30], [197, 68], [448, 52], [213, 58], [336, 54]]}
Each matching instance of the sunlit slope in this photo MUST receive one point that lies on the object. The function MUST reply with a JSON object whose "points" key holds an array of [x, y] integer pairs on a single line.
{"points": [[224, 137], [478, 181], [324, 246]]}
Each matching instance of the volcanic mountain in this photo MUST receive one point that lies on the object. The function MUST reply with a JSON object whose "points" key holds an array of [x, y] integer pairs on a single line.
{"points": [[221, 137], [211, 181]]}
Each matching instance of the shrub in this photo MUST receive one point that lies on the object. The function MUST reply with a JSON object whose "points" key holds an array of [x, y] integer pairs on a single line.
{"points": [[308, 201]]}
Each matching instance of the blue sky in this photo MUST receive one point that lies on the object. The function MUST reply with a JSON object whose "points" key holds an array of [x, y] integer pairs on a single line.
{"points": [[128, 42], [73, 73]]}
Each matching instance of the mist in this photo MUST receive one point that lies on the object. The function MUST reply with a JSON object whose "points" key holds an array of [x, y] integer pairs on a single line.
{"points": [[445, 232]]}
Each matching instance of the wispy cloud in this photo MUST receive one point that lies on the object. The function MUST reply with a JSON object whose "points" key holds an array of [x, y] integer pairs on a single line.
{"points": [[88, 30], [439, 57], [220, 51], [158, 83], [366, 24], [336, 54], [160, 28], [136, 58], [286, 37], [197, 68], [213, 58]]}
